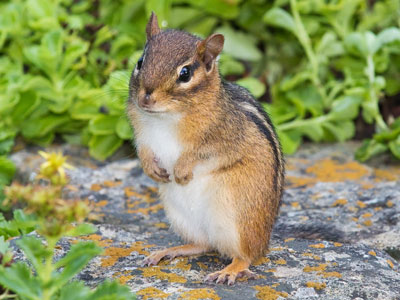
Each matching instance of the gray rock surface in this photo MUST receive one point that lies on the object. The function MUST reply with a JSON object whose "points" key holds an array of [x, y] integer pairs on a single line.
{"points": [[338, 222]]}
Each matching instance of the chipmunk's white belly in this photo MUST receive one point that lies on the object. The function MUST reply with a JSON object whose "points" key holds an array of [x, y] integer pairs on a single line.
{"points": [[193, 209]]}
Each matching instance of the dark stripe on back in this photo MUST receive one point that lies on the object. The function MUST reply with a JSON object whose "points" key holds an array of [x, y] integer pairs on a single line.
{"points": [[268, 134], [238, 95]]}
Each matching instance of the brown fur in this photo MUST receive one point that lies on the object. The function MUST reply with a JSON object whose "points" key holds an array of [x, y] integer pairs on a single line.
{"points": [[214, 126]]}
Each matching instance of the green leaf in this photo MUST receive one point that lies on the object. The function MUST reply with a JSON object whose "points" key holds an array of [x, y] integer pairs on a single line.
{"points": [[290, 140], [34, 251], [102, 146], [239, 45], [388, 35], [75, 290], [112, 291], [103, 124], [345, 108], [256, 87], [162, 9], [36, 128], [224, 9], [124, 129], [280, 18], [368, 149], [362, 44], [27, 103], [339, 131], [314, 132], [19, 279], [85, 109], [394, 147], [229, 66], [81, 229], [75, 260], [7, 170]]}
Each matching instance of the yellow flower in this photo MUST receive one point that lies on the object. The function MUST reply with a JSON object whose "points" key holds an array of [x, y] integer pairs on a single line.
{"points": [[54, 167]]}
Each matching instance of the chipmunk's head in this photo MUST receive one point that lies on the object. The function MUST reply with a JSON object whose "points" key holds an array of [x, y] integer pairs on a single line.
{"points": [[176, 71]]}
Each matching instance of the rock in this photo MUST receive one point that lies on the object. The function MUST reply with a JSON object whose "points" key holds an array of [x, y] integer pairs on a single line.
{"points": [[337, 218]]}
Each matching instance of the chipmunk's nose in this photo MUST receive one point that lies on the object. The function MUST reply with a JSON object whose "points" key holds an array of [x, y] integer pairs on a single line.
{"points": [[146, 101]]}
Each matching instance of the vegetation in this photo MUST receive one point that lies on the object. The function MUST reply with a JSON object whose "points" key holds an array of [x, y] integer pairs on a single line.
{"points": [[325, 70], [52, 217]]}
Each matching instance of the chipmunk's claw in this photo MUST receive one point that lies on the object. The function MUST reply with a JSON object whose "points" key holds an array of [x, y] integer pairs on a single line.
{"points": [[229, 276]]}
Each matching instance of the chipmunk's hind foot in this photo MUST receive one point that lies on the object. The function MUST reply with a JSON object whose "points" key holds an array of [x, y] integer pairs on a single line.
{"points": [[185, 250], [237, 269]]}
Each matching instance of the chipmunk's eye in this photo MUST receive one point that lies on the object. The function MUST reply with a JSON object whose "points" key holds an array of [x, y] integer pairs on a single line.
{"points": [[139, 63], [185, 74]]}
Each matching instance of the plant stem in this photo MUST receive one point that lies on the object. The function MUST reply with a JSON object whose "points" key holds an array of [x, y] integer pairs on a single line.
{"points": [[305, 41], [48, 268], [370, 72], [299, 123]]}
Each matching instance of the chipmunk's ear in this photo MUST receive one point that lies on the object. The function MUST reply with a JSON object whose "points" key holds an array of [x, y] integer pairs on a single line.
{"points": [[209, 49], [152, 27]]}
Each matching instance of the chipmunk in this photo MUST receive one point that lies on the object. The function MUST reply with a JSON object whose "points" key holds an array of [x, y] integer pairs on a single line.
{"points": [[211, 147]]}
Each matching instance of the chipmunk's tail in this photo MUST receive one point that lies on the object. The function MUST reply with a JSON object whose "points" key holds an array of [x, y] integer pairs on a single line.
{"points": [[309, 231]]}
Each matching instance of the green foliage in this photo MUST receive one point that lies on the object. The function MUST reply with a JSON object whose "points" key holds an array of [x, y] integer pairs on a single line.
{"points": [[51, 216], [65, 65]]}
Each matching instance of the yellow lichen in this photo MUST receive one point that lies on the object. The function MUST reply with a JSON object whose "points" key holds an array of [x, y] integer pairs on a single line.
{"points": [[124, 278], [336, 244], [280, 261], [390, 263], [96, 187], [161, 225], [159, 274], [289, 240], [389, 203], [316, 257], [295, 204], [112, 254], [331, 274], [316, 285], [110, 184], [328, 170], [366, 215], [391, 174], [293, 181], [261, 261], [339, 202], [268, 293], [361, 204], [199, 294], [320, 245], [367, 223], [152, 293], [372, 252], [319, 268], [146, 210]]}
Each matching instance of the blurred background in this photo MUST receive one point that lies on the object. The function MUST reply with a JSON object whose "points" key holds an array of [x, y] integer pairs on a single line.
{"points": [[325, 70]]}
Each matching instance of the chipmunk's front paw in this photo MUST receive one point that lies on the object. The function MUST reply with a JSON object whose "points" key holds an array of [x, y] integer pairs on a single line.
{"points": [[154, 171], [182, 174]]}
